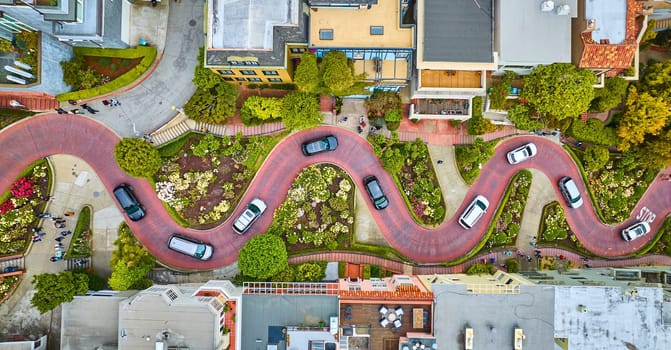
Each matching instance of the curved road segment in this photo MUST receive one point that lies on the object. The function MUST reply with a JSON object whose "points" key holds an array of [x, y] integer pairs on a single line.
{"points": [[41, 136]]}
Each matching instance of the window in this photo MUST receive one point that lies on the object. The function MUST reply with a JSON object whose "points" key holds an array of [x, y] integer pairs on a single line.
{"points": [[234, 63], [251, 63], [270, 72], [275, 80], [255, 80], [247, 72], [326, 34], [297, 50], [240, 79], [228, 79], [225, 72], [376, 30]]}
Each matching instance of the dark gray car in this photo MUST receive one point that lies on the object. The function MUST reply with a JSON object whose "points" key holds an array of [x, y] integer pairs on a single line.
{"points": [[327, 143], [375, 192], [124, 195]]}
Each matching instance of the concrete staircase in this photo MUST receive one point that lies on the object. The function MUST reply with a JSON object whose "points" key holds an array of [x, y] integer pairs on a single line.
{"points": [[216, 129], [166, 135]]}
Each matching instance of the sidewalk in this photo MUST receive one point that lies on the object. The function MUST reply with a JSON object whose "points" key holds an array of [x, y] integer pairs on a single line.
{"points": [[75, 184]]}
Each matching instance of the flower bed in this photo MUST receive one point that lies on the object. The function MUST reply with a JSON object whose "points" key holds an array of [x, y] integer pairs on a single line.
{"points": [[18, 208], [80, 247], [617, 189], [318, 210], [203, 179], [507, 224], [7, 284], [555, 231]]}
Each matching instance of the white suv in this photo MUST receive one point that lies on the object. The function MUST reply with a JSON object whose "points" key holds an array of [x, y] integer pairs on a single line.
{"points": [[474, 212], [635, 231], [570, 191]]}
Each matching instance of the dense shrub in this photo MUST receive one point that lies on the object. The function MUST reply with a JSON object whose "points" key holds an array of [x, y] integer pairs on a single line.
{"points": [[592, 131], [479, 269]]}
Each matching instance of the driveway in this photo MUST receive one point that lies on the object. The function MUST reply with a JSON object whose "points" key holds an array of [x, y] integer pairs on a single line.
{"points": [[41, 136]]}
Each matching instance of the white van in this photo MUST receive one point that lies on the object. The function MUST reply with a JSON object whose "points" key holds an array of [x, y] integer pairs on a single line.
{"points": [[474, 212], [190, 247]]}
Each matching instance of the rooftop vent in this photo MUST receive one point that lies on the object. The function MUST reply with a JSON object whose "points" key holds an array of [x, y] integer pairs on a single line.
{"points": [[563, 10], [547, 6]]}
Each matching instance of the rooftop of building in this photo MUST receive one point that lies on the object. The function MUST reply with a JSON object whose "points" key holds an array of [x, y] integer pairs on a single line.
{"points": [[455, 31], [188, 321], [526, 35], [81, 326], [377, 26], [494, 317], [264, 315], [258, 28], [608, 318], [610, 36]]}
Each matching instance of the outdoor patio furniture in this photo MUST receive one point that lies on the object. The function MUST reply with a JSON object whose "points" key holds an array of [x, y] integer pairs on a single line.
{"points": [[383, 310], [348, 308], [399, 311], [348, 317], [391, 317], [384, 322], [397, 323]]}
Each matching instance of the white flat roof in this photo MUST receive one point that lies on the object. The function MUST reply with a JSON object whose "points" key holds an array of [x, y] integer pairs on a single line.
{"points": [[248, 24], [529, 36], [611, 19]]}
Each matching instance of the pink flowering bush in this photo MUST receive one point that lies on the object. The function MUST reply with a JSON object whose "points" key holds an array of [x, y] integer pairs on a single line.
{"points": [[6, 206], [23, 188]]}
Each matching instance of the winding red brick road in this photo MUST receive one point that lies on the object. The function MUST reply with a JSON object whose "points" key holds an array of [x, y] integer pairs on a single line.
{"points": [[41, 136]]}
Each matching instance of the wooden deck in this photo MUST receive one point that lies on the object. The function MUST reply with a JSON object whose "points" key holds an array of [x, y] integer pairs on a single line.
{"points": [[381, 338], [450, 79]]}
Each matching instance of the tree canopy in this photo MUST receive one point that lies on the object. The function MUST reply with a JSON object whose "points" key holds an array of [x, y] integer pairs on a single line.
{"points": [[137, 157], [306, 76], [260, 108], [130, 262], [382, 101], [559, 90], [656, 80], [263, 256], [611, 95], [214, 105], [53, 289], [519, 115], [643, 115], [204, 78], [301, 111], [336, 72]]}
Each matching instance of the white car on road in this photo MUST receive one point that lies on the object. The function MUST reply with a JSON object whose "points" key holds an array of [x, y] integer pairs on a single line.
{"points": [[254, 209], [522, 153]]}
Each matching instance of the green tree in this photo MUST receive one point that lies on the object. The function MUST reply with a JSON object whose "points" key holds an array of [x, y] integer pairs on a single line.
{"points": [[301, 111], [78, 75], [52, 290], [130, 262], [336, 72], [520, 117], [309, 272], [392, 160], [655, 154], [593, 131], [263, 256], [479, 125], [6, 45], [204, 78], [260, 108], [393, 119], [559, 90], [213, 105], [649, 35], [137, 157], [611, 95], [596, 157], [643, 115], [125, 277], [306, 76], [657, 80], [382, 101]]}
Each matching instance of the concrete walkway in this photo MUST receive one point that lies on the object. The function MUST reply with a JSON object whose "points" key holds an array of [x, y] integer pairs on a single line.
{"points": [[75, 185]]}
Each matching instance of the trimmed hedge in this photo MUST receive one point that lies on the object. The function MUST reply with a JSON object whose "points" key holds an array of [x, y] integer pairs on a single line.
{"points": [[148, 54]]}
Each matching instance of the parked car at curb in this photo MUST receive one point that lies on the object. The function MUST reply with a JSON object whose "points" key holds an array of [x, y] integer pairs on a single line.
{"points": [[474, 212], [254, 209], [126, 198], [323, 144], [522, 153], [375, 192], [190, 246], [569, 190], [635, 231]]}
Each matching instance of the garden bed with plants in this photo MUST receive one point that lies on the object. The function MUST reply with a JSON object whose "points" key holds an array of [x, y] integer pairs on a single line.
{"points": [[318, 210], [25, 48], [411, 166], [202, 177], [80, 247], [19, 208], [9, 116], [111, 67], [555, 231], [7, 285], [507, 223], [661, 244], [471, 158]]}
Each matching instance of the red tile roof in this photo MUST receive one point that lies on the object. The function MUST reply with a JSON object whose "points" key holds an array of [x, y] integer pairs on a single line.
{"points": [[34, 101], [596, 55]]}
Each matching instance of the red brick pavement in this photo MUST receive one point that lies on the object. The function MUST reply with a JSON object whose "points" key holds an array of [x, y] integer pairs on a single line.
{"points": [[40, 136]]}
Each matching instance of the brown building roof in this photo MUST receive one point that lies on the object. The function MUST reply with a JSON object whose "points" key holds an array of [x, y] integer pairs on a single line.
{"points": [[34, 101], [605, 55]]}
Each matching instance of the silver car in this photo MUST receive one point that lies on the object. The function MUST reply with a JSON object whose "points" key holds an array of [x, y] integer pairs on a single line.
{"points": [[635, 231], [521, 153], [254, 209]]}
